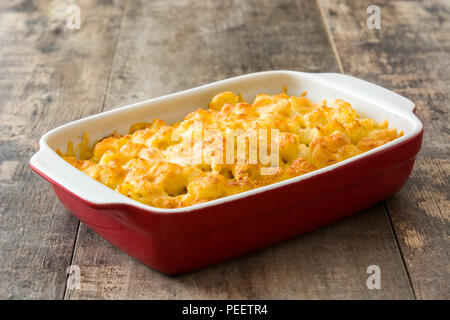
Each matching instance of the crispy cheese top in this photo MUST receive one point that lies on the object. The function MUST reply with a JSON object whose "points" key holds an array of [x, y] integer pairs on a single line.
{"points": [[151, 163]]}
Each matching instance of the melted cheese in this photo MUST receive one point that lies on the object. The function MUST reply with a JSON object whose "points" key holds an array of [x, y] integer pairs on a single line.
{"points": [[151, 165]]}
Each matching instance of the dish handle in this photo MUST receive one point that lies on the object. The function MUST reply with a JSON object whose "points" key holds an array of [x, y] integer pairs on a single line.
{"points": [[368, 90], [58, 172]]}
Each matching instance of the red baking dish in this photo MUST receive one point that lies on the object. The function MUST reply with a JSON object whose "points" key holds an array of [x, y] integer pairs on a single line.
{"points": [[179, 240]]}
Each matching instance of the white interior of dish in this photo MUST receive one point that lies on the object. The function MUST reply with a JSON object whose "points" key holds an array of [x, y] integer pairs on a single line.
{"points": [[368, 99]]}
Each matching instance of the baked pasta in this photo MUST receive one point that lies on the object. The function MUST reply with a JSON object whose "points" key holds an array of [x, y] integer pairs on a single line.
{"points": [[230, 147]]}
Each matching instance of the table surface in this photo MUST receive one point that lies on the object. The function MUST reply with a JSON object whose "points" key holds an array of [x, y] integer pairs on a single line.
{"points": [[130, 51]]}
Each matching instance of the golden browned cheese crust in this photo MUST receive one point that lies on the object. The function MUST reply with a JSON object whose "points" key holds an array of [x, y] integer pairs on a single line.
{"points": [[150, 163]]}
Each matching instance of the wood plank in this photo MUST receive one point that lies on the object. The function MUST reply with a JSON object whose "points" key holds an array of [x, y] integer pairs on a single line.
{"points": [[50, 75], [410, 54], [168, 46]]}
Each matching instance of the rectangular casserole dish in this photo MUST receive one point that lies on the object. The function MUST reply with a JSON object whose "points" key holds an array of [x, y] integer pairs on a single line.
{"points": [[179, 240]]}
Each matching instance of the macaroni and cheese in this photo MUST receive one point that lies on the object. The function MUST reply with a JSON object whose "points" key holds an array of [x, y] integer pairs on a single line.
{"points": [[230, 147]]}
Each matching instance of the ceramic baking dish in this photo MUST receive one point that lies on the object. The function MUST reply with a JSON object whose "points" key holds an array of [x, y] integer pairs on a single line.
{"points": [[179, 240]]}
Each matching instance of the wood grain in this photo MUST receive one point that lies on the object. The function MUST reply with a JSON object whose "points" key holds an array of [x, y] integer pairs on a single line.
{"points": [[167, 46], [410, 54], [49, 75]]}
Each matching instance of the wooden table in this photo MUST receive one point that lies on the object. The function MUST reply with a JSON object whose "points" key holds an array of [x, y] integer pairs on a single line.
{"points": [[129, 51]]}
